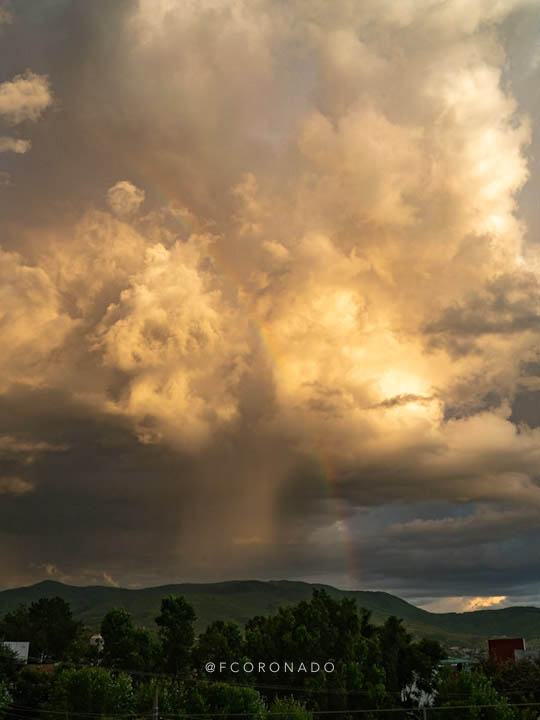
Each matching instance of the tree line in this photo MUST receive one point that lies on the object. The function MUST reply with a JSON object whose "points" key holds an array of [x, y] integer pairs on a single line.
{"points": [[373, 667]]}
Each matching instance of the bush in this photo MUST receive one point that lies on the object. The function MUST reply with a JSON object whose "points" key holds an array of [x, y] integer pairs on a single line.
{"points": [[455, 688], [288, 709], [94, 691]]}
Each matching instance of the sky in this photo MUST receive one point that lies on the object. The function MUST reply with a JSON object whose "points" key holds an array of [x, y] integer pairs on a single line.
{"points": [[270, 294]]}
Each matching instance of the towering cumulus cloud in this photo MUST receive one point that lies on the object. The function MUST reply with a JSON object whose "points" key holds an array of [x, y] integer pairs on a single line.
{"points": [[272, 302]]}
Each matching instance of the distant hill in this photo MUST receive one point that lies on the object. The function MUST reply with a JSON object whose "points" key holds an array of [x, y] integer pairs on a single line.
{"points": [[241, 599]]}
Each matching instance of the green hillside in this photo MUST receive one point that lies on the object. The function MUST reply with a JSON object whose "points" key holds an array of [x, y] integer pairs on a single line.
{"points": [[240, 600]]}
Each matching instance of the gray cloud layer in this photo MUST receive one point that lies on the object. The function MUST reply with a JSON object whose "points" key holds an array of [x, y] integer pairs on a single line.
{"points": [[269, 301]]}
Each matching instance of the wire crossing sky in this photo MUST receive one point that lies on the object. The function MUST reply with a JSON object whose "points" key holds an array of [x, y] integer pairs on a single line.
{"points": [[269, 298]]}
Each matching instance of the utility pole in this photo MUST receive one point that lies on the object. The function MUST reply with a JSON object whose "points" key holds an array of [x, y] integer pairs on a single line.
{"points": [[424, 713], [155, 707]]}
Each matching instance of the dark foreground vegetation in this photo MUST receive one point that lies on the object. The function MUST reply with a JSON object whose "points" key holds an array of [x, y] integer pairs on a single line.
{"points": [[376, 671]]}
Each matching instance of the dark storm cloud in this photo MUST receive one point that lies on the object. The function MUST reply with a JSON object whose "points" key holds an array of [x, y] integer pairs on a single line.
{"points": [[66, 166], [507, 305]]}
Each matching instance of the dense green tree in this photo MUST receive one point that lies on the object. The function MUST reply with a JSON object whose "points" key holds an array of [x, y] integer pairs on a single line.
{"points": [[176, 633], [9, 663], [47, 624], [221, 699], [95, 691], [322, 630], [31, 689], [53, 627], [125, 645], [177, 697], [82, 650], [426, 658], [457, 688], [15, 625], [171, 696], [397, 654], [220, 642], [518, 681]]}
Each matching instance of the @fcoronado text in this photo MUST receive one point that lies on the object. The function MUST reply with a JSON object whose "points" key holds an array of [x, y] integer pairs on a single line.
{"points": [[271, 667]]}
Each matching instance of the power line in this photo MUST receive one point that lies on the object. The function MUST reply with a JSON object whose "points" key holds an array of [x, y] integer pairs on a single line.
{"points": [[347, 711]]}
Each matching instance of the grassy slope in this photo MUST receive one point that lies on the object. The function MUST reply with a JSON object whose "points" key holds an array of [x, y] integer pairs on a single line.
{"points": [[240, 600]]}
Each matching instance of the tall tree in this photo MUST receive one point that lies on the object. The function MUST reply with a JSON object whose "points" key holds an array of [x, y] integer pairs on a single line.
{"points": [[322, 630], [47, 624], [397, 653], [125, 645], [176, 633], [220, 642], [53, 627]]}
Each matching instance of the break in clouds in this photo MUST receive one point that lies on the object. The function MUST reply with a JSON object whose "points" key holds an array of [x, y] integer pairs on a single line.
{"points": [[270, 293]]}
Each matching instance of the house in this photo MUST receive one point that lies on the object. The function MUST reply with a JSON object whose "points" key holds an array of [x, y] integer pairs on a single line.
{"points": [[503, 650], [21, 649]]}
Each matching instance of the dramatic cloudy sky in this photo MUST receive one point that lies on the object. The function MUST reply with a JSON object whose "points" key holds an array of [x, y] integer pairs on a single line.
{"points": [[270, 294]]}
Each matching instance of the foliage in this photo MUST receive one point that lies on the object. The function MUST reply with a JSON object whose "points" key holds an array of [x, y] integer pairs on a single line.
{"points": [[93, 691], [407, 664], [47, 624], [428, 655], [196, 696], [5, 698], [126, 646], [519, 681], [455, 688], [370, 665], [176, 633], [9, 663], [323, 630], [220, 642], [171, 696], [31, 689], [221, 699], [289, 709], [82, 650]]}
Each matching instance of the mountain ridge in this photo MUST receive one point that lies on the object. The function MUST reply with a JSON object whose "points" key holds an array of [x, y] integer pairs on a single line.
{"points": [[239, 600]]}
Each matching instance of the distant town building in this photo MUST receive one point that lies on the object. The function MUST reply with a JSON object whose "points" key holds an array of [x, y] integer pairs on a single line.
{"points": [[459, 663], [527, 654], [21, 649], [503, 650]]}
